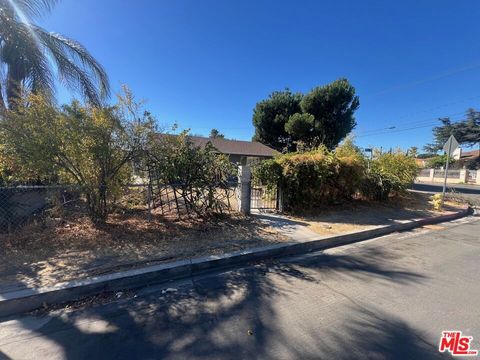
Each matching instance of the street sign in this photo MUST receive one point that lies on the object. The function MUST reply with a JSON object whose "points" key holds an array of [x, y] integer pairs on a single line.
{"points": [[451, 145]]}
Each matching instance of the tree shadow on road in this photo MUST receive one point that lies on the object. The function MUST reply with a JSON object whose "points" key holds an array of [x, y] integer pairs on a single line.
{"points": [[234, 315], [373, 334], [3, 356]]}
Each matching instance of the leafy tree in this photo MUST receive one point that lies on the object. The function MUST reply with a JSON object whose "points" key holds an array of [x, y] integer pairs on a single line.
{"points": [[214, 133], [413, 151], [332, 107], [30, 55], [299, 126], [425, 155], [323, 116], [466, 131], [84, 145], [469, 131], [441, 134], [270, 117], [439, 161], [198, 174]]}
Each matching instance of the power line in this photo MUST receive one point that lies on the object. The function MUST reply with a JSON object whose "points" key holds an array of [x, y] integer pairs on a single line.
{"points": [[406, 129], [433, 120], [425, 122]]}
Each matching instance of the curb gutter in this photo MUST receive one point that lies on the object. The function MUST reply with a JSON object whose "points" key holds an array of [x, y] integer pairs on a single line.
{"points": [[24, 300]]}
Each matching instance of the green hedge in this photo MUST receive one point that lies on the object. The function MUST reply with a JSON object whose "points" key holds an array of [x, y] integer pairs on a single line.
{"points": [[315, 178]]}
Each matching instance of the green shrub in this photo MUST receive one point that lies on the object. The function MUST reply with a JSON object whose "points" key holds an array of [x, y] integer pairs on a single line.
{"points": [[439, 161], [268, 172], [314, 178], [311, 179], [376, 185], [85, 145], [400, 168], [387, 173]]}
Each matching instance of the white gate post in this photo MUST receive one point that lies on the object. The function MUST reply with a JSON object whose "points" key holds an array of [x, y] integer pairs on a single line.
{"points": [[280, 198], [245, 185]]}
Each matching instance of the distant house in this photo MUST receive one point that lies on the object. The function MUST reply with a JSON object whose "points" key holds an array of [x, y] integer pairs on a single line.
{"points": [[239, 152], [422, 162], [469, 155], [467, 159]]}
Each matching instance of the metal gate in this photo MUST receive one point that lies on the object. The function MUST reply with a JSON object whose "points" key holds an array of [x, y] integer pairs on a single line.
{"points": [[471, 176], [263, 197]]}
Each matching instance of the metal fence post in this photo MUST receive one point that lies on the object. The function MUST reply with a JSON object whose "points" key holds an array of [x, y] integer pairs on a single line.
{"points": [[245, 184], [149, 201]]}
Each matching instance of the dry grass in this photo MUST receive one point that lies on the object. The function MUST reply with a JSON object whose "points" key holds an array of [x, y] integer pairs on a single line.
{"points": [[61, 250]]}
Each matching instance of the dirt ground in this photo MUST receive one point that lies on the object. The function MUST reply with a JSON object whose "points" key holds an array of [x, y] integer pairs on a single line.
{"points": [[65, 249], [62, 249], [363, 215]]}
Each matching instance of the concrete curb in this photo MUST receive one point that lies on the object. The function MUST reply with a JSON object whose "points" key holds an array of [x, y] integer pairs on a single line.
{"points": [[29, 299]]}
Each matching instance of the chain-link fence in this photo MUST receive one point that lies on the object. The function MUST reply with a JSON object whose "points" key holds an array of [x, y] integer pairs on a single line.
{"points": [[24, 205]]}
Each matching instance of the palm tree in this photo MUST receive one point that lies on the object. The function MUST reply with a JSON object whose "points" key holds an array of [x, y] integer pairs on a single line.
{"points": [[30, 57]]}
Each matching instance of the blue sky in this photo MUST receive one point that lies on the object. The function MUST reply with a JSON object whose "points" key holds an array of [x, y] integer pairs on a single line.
{"points": [[205, 64]]}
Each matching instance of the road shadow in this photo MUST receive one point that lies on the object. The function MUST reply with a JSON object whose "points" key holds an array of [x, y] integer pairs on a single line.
{"points": [[230, 315], [3, 356], [373, 334]]}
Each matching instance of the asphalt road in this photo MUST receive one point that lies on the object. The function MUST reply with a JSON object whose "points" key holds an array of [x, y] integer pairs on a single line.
{"points": [[467, 191], [386, 298]]}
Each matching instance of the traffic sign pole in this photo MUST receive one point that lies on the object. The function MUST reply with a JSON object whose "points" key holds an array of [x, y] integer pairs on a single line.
{"points": [[450, 145], [446, 171]]}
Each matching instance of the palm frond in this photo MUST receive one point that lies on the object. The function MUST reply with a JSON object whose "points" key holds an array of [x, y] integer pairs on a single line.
{"points": [[77, 68], [29, 54], [27, 65], [29, 8]]}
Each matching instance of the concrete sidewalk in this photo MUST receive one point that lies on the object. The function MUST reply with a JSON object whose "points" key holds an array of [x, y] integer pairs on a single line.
{"points": [[295, 230]]}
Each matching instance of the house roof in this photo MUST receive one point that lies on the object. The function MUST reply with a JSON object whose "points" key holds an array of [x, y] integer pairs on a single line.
{"points": [[235, 147], [470, 154]]}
